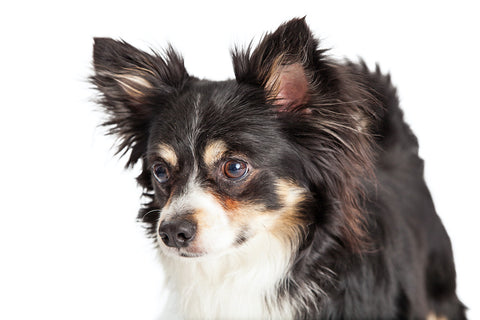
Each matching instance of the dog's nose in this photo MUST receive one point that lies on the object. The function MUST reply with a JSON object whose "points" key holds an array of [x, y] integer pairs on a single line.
{"points": [[177, 233]]}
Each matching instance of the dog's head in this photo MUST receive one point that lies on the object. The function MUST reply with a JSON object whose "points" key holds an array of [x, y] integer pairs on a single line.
{"points": [[275, 151]]}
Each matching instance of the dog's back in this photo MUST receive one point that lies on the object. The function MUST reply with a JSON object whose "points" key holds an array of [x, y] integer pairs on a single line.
{"points": [[409, 238]]}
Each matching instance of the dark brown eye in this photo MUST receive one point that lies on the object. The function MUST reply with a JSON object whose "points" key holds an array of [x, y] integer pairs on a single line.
{"points": [[161, 173], [235, 169]]}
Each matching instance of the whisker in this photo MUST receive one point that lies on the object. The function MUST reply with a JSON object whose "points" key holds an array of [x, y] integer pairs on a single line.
{"points": [[157, 211]]}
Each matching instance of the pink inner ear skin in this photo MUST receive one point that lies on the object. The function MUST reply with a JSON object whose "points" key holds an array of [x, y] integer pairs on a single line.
{"points": [[292, 87]]}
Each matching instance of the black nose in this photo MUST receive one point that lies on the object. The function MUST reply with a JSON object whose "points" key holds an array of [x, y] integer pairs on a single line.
{"points": [[177, 233]]}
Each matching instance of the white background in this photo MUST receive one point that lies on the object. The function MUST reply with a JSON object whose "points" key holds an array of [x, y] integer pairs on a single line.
{"points": [[70, 247]]}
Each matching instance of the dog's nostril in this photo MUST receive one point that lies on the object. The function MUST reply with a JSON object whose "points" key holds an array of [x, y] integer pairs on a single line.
{"points": [[177, 233], [183, 237], [163, 236]]}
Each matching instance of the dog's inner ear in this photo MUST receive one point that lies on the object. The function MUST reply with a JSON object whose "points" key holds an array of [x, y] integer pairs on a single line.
{"points": [[285, 64], [287, 86], [133, 84]]}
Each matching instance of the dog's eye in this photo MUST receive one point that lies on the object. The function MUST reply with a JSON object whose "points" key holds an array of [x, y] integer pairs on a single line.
{"points": [[235, 169], [160, 172]]}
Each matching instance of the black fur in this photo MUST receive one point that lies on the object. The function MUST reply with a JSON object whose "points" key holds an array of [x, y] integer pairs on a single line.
{"points": [[374, 247]]}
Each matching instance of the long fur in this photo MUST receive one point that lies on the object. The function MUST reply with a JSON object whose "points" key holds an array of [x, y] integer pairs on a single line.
{"points": [[334, 221]]}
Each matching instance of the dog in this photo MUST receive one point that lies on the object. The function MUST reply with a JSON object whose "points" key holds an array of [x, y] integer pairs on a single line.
{"points": [[293, 191]]}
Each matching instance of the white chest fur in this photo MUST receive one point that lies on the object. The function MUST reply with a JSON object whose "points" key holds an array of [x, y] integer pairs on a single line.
{"points": [[238, 285]]}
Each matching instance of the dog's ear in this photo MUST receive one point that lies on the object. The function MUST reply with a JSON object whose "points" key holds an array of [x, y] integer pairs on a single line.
{"points": [[286, 63], [128, 79]]}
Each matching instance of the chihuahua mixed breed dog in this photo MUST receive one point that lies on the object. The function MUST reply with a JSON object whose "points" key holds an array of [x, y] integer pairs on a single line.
{"points": [[294, 191]]}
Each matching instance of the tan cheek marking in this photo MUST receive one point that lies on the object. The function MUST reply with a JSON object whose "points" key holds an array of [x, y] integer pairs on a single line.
{"points": [[286, 223], [214, 152], [239, 213], [168, 154], [290, 224], [290, 192], [229, 205]]}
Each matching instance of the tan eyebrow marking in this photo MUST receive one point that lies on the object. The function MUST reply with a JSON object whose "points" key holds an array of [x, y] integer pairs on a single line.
{"points": [[214, 152], [168, 154]]}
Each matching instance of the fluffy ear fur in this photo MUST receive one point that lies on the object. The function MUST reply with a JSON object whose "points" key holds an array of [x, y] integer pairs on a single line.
{"points": [[128, 79], [285, 62], [325, 110]]}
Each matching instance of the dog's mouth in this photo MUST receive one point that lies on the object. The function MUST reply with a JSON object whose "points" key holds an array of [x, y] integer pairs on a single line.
{"points": [[191, 255], [181, 252], [188, 253]]}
